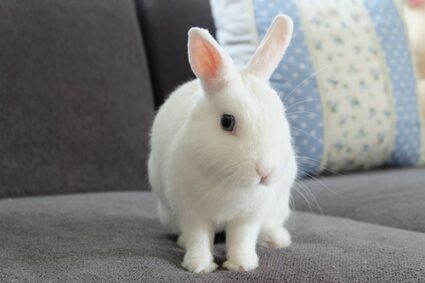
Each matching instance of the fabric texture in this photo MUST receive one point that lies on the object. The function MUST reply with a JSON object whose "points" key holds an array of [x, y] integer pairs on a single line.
{"points": [[415, 19], [393, 198], [114, 237], [165, 25], [347, 80], [76, 101]]}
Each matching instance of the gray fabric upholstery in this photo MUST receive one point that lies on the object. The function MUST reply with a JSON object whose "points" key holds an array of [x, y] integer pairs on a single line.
{"points": [[114, 237], [165, 25], [394, 197], [75, 97]]}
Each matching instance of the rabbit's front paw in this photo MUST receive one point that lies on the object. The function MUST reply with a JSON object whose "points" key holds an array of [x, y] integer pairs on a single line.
{"points": [[244, 262], [198, 264], [275, 238]]}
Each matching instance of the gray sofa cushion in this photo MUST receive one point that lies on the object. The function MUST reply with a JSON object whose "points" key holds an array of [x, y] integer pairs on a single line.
{"points": [[76, 100], [115, 237], [393, 197], [165, 25]]}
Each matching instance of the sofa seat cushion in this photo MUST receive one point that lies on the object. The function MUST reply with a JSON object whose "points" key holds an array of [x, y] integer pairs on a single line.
{"points": [[115, 237], [388, 197]]}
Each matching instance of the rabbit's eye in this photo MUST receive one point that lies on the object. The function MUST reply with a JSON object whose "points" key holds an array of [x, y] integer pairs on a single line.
{"points": [[227, 122]]}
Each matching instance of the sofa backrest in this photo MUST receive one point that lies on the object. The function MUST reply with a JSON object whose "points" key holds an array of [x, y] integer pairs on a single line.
{"points": [[75, 97], [165, 24]]}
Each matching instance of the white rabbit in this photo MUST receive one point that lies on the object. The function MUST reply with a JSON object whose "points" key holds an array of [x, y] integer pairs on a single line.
{"points": [[221, 154]]}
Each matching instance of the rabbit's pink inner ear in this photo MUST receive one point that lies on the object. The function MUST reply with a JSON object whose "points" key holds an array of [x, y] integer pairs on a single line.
{"points": [[209, 62], [205, 58], [205, 62]]}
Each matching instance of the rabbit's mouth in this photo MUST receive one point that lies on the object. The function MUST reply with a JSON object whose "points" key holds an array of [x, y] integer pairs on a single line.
{"points": [[264, 173], [264, 180]]}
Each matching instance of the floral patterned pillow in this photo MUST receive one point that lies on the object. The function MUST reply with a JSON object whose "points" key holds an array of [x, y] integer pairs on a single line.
{"points": [[347, 80]]}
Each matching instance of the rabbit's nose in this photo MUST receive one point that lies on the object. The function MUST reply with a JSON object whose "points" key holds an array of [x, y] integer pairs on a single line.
{"points": [[263, 171]]}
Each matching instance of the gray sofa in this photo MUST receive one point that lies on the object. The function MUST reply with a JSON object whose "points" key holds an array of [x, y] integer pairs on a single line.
{"points": [[79, 83]]}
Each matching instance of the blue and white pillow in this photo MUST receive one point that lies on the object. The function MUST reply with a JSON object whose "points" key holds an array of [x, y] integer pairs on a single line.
{"points": [[347, 79]]}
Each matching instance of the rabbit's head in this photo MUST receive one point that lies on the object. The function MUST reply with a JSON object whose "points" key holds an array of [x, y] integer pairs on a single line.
{"points": [[238, 132]]}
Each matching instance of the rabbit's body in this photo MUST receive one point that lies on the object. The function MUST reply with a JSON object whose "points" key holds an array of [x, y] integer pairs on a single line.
{"points": [[172, 173], [221, 156]]}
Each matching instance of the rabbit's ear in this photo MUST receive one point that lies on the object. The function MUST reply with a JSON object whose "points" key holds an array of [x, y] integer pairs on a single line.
{"points": [[209, 62], [272, 47]]}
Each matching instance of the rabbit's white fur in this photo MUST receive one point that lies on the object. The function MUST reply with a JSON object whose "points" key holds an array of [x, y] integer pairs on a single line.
{"points": [[206, 178]]}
